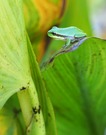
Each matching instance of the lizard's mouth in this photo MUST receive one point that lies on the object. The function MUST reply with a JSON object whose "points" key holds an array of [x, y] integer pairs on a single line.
{"points": [[56, 36]]}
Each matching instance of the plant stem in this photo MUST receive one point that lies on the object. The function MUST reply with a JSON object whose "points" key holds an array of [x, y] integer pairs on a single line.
{"points": [[31, 110], [47, 108]]}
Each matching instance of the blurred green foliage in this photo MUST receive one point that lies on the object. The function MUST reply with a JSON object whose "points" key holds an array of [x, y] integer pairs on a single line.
{"points": [[74, 81]]}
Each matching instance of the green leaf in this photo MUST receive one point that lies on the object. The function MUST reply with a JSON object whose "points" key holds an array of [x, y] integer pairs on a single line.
{"points": [[45, 103], [76, 82], [11, 121], [14, 66]]}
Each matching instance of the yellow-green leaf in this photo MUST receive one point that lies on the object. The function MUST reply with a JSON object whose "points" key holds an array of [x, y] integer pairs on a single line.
{"points": [[14, 66]]}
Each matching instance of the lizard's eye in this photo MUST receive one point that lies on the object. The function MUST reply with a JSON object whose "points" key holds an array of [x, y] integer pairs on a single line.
{"points": [[53, 33]]}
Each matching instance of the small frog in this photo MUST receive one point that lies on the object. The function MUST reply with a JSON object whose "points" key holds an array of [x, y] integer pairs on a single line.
{"points": [[70, 34]]}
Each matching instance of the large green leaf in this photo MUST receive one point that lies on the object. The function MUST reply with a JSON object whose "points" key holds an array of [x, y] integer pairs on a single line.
{"points": [[14, 66], [76, 82], [15, 73]]}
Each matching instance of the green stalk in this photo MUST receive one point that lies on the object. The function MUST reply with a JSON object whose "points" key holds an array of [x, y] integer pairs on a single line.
{"points": [[31, 110], [44, 99]]}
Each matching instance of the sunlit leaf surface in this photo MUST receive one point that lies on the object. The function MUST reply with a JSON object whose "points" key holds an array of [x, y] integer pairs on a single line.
{"points": [[14, 68], [76, 82]]}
